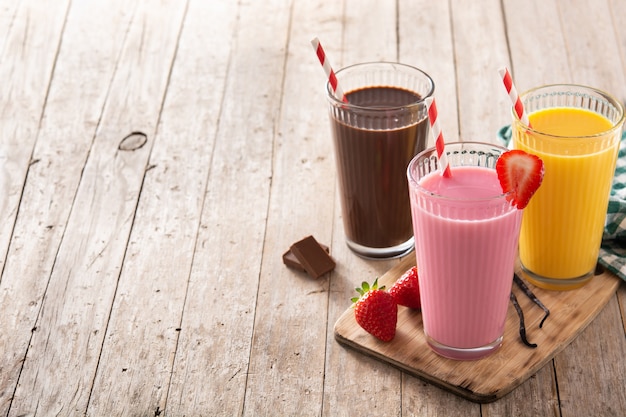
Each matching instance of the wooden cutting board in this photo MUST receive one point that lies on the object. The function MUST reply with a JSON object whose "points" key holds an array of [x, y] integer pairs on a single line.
{"points": [[490, 378]]}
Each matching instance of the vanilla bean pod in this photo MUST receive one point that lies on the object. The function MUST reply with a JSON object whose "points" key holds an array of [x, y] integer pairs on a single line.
{"points": [[522, 326], [520, 283]]}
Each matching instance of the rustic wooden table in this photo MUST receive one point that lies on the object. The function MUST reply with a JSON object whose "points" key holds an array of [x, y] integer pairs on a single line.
{"points": [[157, 158]]}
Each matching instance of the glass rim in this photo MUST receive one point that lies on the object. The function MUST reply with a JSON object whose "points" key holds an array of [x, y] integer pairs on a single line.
{"points": [[414, 183], [338, 102], [609, 98]]}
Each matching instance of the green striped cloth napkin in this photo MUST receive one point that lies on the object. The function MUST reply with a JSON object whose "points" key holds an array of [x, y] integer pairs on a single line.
{"points": [[613, 250]]}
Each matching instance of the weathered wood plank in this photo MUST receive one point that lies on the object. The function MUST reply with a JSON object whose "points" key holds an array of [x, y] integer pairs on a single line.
{"points": [[592, 363], [211, 370], [420, 398], [26, 76], [589, 25], [480, 50], [8, 13], [288, 359], [369, 31], [425, 41], [532, 398], [535, 62], [142, 334], [61, 362]]}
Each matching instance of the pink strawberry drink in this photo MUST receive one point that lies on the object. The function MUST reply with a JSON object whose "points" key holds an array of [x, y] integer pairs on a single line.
{"points": [[466, 235]]}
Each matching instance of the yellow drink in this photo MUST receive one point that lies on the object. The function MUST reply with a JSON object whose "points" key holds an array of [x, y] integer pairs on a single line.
{"points": [[563, 223]]}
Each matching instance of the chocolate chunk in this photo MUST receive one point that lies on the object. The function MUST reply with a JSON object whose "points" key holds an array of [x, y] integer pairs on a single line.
{"points": [[291, 261], [308, 255]]}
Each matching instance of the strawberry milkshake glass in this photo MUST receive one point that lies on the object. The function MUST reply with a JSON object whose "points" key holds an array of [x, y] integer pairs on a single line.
{"points": [[466, 236]]}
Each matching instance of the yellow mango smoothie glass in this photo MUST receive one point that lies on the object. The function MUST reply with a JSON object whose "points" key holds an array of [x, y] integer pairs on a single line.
{"points": [[576, 131]]}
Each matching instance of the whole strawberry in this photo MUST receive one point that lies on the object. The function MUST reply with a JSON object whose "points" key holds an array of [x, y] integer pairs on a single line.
{"points": [[406, 290], [376, 311]]}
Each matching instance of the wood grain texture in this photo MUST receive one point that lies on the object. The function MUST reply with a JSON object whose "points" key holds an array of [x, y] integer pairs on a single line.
{"points": [[215, 354], [43, 154], [184, 149], [292, 368], [88, 260], [151, 294], [482, 104], [491, 378], [426, 41], [599, 348]]}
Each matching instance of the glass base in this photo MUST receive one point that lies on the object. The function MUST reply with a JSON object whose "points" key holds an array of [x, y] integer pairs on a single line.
{"points": [[557, 284], [382, 253], [464, 354]]}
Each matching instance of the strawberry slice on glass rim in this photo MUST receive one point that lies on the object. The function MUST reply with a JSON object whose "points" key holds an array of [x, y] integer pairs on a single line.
{"points": [[520, 175]]}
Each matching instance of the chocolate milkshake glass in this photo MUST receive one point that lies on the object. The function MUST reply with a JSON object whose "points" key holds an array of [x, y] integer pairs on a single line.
{"points": [[376, 133]]}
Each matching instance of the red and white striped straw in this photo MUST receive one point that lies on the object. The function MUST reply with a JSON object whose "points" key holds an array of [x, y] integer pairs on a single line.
{"points": [[512, 91], [332, 79], [439, 143]]}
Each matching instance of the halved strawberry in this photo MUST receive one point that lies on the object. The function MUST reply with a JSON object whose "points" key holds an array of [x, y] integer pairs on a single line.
{"points": [[376, 311], [406, 290], [520, 175]]}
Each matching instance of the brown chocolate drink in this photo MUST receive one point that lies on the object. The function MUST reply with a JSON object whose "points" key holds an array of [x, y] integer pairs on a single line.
{"points": [[373, 149]]}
